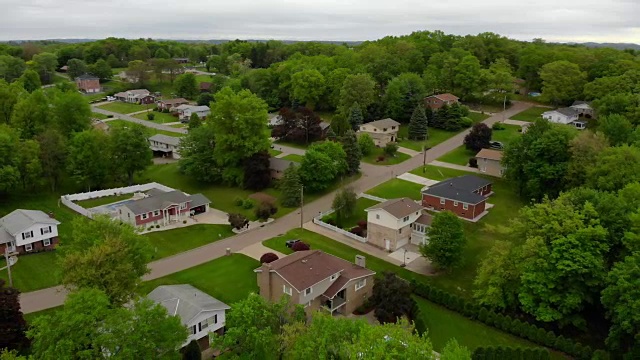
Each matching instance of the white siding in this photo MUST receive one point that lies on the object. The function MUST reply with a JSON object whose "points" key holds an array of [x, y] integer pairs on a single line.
{"points": [[211, 328], [387, 220], [37, 236]]}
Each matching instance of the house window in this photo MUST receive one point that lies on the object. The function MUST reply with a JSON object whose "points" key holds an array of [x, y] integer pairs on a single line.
{"points": [[362, 128], [465, 206], [183, 206], [393, 128], [192, 330], [46, 242], [308, 291], [360, 284], [28, 247], [378, 216], [442, 201], [129, 215], [287, 290], [203, 325], [455, 203], [405, 219], [215, 318], [333, 277], [120, 211], [384, 129], [144, 216], [46, 230], [156, 212], [26, 235], [400, 231]]}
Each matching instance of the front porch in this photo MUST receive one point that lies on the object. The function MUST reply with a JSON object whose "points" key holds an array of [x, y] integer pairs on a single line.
{"points": [[333, 305]]}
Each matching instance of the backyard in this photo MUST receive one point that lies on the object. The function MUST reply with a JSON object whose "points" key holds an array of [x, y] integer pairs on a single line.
{"points": [[151, 131], [397, 188], [91, 203], [359, 214], [531, 114], [175, 241], [158, 117], [435, 137], [124, 108], [378, 153]]}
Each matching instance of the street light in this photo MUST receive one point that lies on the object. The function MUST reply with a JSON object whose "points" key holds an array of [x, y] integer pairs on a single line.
{"points": [[404, 259]]}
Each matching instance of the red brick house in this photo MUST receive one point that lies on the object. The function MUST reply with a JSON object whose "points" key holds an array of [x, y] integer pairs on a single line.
{"points": [[465, 196], [437, 101], [88, 83], [28, 231], [162, 208]]}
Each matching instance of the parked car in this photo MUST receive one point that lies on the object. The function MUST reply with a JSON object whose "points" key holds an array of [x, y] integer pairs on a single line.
{"points": [[111, 98], [290, 243], [496, 145]]}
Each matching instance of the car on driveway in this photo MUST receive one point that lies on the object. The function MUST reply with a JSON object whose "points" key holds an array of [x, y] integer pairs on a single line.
{"points": [[290, 243], [111, 98], [496, 145]]}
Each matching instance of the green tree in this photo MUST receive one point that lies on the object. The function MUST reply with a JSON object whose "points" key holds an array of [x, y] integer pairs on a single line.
{"points": [[129, 150], [30, 81], [404, 93], [454, 351], [138, 72], [194, 121], [335, 82], [468, 76], [101, 69], [340, 124], [29, 164], [355, 117], [617, 128], [614, 168], [10, 94], [352, 150], [186, 86], [105, 255], [344, 205], [497, 280], [197, 156], [71, 113], [562, 82], [162, 54], [390, 149], [32, 115], [322, 164], [12, 324], [9, 148], [44, 64], [390, 341], [446, 241], [11, 67], [257, 171], [76, 67], [584, 150], [360, 89], [87, 161], [391, 297], [290, 186], [418, 125], [478, 138], [192, 351], [500, 77], [366, 144], [307, 86]]}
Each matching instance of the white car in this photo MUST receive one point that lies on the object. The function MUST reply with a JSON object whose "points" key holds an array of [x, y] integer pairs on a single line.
{"points": [[111, 98]]}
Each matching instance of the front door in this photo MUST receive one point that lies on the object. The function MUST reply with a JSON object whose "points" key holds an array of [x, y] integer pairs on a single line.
{"points": [[11, 246], [387, 244]]}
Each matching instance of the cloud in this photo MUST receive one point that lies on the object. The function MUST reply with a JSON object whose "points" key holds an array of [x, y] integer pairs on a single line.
{"points": [[569, 20]]}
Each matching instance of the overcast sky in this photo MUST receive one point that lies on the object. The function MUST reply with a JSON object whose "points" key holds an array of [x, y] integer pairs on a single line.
{"points": [[553, 20]]}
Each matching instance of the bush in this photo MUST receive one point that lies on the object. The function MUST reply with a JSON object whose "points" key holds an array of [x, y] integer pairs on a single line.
{"points": [[109, 116], [498, 126], [238, 201], [300, 246], [465, 122], [365, 308], [380, 158], [265, 210], [184, 221], [331, 221], [268, 258], [238, 221], [362, 224], [151, 116], [192, 351], [150, 228], [357, 230], [157, 226], [473, 162], [391, 149], [248, 204]]}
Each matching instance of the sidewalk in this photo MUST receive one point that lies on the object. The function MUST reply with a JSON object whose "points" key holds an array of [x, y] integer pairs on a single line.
{"points": [[257, 250], [140, 112], [417, 179], [516, 122], [454, 166], [409, 152]]}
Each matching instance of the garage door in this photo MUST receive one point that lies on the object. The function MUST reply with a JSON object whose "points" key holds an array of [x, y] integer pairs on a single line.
{"points": [[402, 242]]}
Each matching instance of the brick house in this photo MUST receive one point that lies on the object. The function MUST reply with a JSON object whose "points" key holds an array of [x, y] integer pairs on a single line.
{"points": [[465, 196], [395, 223], [136, 96], [28, 231], [169, 104], [381, 131], [489, 162], [318, 281], [205, 87], [437, 101], [162, 208], [88, 83]]}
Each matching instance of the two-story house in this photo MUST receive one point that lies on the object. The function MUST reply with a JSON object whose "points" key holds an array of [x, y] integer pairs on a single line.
{"points": [[435, 102], [88, 83], [381, 131], [583, 108], [278, 166], [465, 196], [26, 231], [165, 145], [394, 223], [490, 162], [317, 280], [162, 208], [185, 111], [199, 312]]}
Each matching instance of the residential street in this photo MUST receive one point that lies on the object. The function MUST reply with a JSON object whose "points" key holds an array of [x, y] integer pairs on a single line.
{"points": [[146, 123], [372, 176]]}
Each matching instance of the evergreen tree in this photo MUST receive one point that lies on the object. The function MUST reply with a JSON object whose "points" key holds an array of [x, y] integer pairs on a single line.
{"points": [[352, 149], [12, 324], [355, 116], [290, 186], [418, 124], [194, 121], [331, 135], [340, 124]]}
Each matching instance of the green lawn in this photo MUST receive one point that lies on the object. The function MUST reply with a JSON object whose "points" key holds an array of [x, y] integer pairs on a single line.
{"points": [[326, 115], [33, 271], [175, 241], [87, 204], [228, 279], [477, 117], [436, 136], [291, 144], [388, 160], [203, 78], [397, 188], [124, 108], [294, 157], [506, 136], [30, 316], [99, 116], [461, 155], [151, 131], [117, 71], [359, 214], [274, 152], [531, 114], [158, 117]]}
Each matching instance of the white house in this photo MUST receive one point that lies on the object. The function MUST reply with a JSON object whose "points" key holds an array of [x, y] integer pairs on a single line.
{"points": [[185, 111], [583, 108], [394, 223], [169, 146], [26, 231], [199, 312], [381, 131], [564, 116]]}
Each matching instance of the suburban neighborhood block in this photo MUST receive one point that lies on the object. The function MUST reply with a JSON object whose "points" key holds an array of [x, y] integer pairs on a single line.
{"points": [[185, 111], [465, 196], [170, 104], [381, 131], [137, 96], [25, 231], [394, 223], [162, 208]]}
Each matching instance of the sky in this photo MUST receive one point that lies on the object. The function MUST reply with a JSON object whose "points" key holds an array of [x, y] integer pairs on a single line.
{"points": [[552, 20]]}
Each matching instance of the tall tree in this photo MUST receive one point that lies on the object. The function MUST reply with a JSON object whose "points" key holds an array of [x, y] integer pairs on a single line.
{"points": [[358, 89], [344, 205], [76, 67], [498, 279], [468, 76], [44, 64], [30, 81], [32, 115], [129, 150], [562, 82], [390, 341], [186, 86], [71, 112], [366, 144], [500, 77], [614, 168], [478, 138], [290, 186], [446, 241], [138, 72], [11, 67], [10, 94], [197, 157], [340, 124], [87, 161], [584, 150], [29, 164], [53, 155], [454, 351], [352, 150], [101, 69], [403, 94], [322, 164], [418, 125], [257, 171], [392, 299], [355, 116], [9, 148], [12, 324], [104, 255], [617, 128], [307, 86]]}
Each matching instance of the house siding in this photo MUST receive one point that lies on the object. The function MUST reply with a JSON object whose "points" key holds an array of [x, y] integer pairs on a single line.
{"points": [[490, 167], [356, 298], [436, 103], [433, 202], [88, 85], [382, 138], [38, 246]]}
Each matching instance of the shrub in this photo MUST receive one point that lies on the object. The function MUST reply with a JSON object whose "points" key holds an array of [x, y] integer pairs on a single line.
{"points": [[380, 158], [362, 224], [268, 258], [498, 126], [331, 221], [473, 162], [238, 221], [109, 116], [465, 122], [238, 201], [391, 149], [478, 354], [265, 210], [248, 204], [151, 116], [483, 314], [184, 221], [300, 246], [150, 228], [357, 230], [158, 226]]}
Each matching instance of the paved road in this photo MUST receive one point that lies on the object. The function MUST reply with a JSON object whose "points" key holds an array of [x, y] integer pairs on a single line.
{"points": [[373, 175], [139, 121]]}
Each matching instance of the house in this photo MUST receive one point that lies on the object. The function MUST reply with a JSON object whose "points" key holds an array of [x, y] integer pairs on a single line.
{"points": [[137, 96], [324, 129], [167, 146], [394, 223], [519, 86], [381, 131], [437, 101], [489, 162], [88, 84], [465, 196], [318, 281], [205, 87], [28, 231], [162, 208], [185, 111], [64, 69], [171, 103], [278, 167], [199, 312], [564, 116], [100, 125], [583, 108], [181, 60]]}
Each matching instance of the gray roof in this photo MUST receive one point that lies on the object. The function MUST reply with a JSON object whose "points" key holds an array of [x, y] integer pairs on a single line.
{"points": [[324, 125], [579, 102], [87, 77], [19, 220], [5, 237], [199, 200], [155, 192], [398, 207], [380, 124], [157, 202], [567, 111], [185, 301], [460, 188], [166, 139], [279, 164]]}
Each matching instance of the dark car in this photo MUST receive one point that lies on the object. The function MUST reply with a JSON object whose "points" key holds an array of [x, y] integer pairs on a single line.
{"points": [[290, 243], [497, 145]]}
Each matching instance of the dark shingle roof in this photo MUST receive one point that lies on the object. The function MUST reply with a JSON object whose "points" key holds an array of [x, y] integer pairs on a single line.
{"points": [[445, 97], [381, 124], [567, 111], [460, 188], [87, 77], [199, 200], [157, 202]]}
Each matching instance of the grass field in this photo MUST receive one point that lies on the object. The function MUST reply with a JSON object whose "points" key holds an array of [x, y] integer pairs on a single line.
{"points": [[33, 271], [158, 117], [506, 136], [397, 188], [292, 144], [294, 157], [531, 114], [274, 152], [124, 108], [99, 116], [388, 160], [175, 241], [203, 78], [228, 279], [151, 131], [477, 117], [88, 204], [436, 136], [359, 214]]}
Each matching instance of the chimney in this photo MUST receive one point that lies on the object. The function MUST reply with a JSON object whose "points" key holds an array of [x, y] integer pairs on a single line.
{"points": [[360, 260], [51, 215]]}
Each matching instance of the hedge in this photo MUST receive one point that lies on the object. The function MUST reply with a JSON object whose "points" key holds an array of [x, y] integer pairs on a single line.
{"points": [[503, 322], [505, 352]]}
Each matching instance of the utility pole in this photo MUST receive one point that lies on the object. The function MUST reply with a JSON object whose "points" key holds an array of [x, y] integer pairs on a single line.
{"points": [[504, 107], [424, 158], [301, 205], [6, 258]]}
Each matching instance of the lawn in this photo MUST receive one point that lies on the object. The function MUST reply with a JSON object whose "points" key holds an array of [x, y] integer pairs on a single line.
{"points": [[179, 126], [292, 144], [203, 78], [294, 157], [158, 117], [531, 114], [397, 188], [124, 108], [99, 116], [88, 204], [461, 155], [477, 117], [388, 160], [117, 71], [359, 214], [506, 136], [274, 152], [33, 271], [436, 136], [151, 131], [175, 241], [228, 279]]}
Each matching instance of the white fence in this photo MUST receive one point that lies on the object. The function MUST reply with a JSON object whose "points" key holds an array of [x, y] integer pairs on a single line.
{"points": [[371, 197], [75, 207], [318, 221]]}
